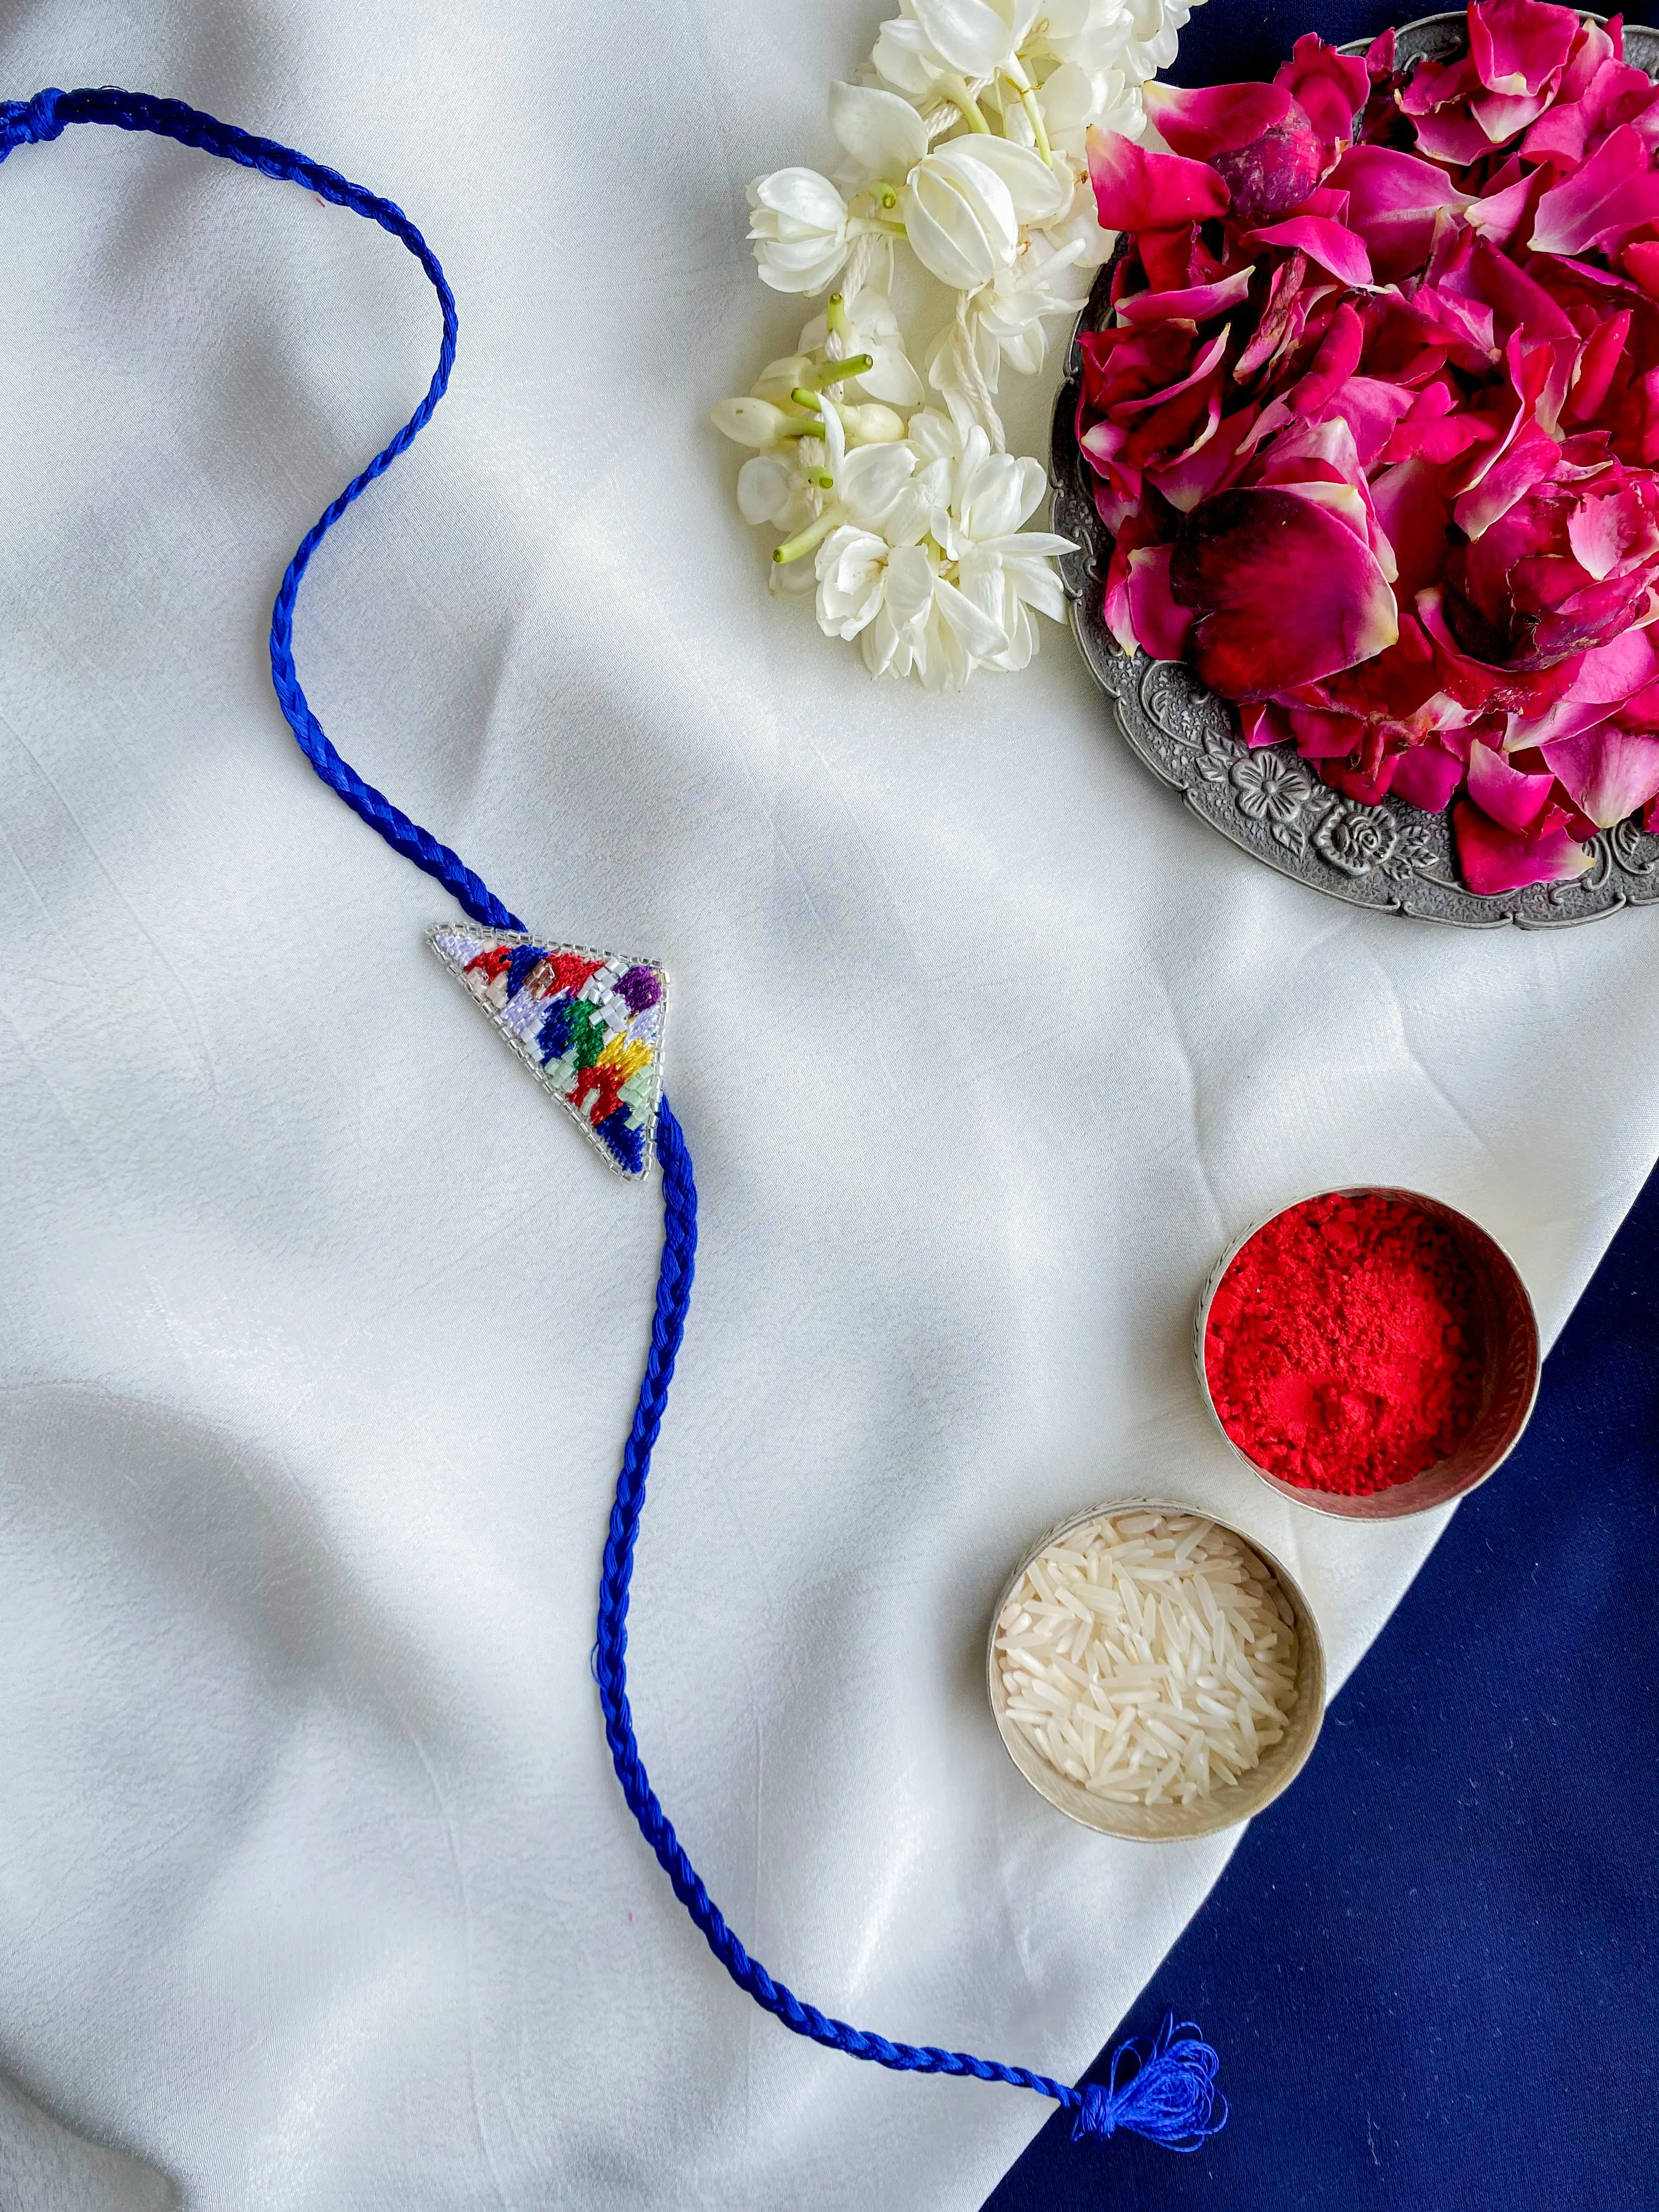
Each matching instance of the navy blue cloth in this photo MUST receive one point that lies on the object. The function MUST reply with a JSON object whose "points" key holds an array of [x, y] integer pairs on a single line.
{"points": [[1431, 1969], [1230, 41]]}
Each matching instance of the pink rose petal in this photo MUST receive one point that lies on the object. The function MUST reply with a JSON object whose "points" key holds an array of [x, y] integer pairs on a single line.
{"points": [[1614, 193], [1160, 626], [1329, 88], [1452, 134], [1193, 476], [1607, 772], [1196, 303], [1495, 860], [1332, 245], [1426, 777], [1370, 407], [1610, 530], [1137, 191], [1438, 84], [1505, 217], [1208, 359], [1617, 671], [1513, 800], [1533, 459], [1333, 365], [1596, 365], [1136, 533], [1261, 723], [1519, 46], [1393, 200], [1411, 507], [1321, 736], [1283, 591], [1216, 118], [1518, 300]]}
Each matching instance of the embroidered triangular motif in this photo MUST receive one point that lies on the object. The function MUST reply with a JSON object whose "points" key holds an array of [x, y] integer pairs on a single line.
{"points": [[588, 1025]]}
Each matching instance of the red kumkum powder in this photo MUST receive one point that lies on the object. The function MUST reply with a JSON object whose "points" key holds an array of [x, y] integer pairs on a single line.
{"points": [[1343, 1348]]}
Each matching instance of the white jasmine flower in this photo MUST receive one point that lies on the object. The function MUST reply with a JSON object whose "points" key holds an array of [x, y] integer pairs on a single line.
{"points": [[878, 582], [1075, 100], [1081, 222], [915, 529], [894, 640], [1006, 319], [963, 205], [868, 325], [1154, 35], [905, 614], [851, 570], [882, 135], [956, 638], [797, 223], [754, 422], [771, 489], [927, 565], [1092, 33], [1003, 569], [932, 39]]}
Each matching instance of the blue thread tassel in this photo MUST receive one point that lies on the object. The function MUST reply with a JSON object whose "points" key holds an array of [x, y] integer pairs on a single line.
{"points": [[1170, 2098]]}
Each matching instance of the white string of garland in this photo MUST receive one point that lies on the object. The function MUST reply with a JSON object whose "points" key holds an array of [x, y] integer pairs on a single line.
{"points": [[963, 166]]}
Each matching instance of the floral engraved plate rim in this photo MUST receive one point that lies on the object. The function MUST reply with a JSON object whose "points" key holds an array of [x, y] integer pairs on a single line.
{"points": [[1392, 858]]}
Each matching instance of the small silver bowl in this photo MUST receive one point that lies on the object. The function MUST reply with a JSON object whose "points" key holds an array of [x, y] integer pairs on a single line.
{"points": [[1509, 1327], [1224, 1808]]}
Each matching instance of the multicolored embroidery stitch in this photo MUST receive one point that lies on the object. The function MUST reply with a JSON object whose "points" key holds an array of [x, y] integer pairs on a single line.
{"points": [[587, 1025]]}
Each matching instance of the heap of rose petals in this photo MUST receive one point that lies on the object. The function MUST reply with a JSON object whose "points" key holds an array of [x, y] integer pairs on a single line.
{"points": [[1376, 420]]}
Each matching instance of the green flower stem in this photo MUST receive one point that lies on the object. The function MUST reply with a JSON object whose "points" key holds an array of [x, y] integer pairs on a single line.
{"points": [[814, 534], [1028, 101], [955, 89], [832, 372], [835, 314], [810, 400]]}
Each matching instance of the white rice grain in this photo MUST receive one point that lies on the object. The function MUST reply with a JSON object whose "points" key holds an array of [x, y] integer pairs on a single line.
{"points": [[1149, 1658]]}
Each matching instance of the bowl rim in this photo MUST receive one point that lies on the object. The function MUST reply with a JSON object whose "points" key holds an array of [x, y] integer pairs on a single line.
{"points": [[1103, 1818], [1374, 1506]]}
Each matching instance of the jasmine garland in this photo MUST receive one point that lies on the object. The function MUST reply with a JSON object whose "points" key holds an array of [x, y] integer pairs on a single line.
{"points": [[964, 164]]}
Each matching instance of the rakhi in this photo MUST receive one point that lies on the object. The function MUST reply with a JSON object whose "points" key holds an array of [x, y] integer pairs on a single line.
{"points": [[589, 1026]]}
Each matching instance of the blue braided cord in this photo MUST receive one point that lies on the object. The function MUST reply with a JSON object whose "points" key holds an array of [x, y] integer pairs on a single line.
{"points": [[43, 118], [1169, 2096], [679, 1246]]}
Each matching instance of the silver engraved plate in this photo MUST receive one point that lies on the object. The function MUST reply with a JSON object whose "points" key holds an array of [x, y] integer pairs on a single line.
{"points": [[1392, 856]]}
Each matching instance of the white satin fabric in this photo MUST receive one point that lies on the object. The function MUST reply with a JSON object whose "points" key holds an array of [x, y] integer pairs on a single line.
{"points": [[321, 1328]]}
